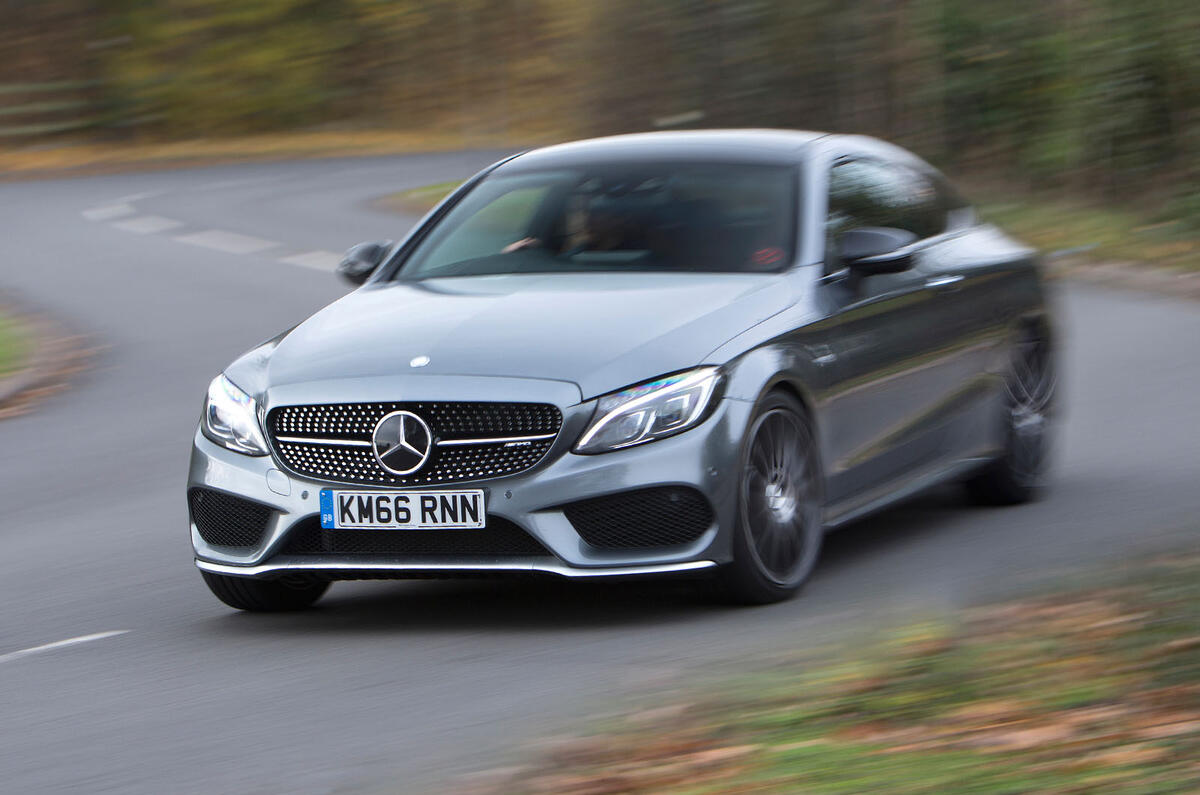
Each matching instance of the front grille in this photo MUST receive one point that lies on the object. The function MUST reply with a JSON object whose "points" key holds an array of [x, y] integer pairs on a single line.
{"points": [[499, 538], [227, 521], [333, 442], [656, 517]]}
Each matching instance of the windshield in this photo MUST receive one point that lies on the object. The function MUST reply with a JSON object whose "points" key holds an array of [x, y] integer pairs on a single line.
{"points": [[653, 217]]}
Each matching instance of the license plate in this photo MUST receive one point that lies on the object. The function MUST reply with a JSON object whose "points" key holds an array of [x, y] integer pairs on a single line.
{"points": [[402, 510]]}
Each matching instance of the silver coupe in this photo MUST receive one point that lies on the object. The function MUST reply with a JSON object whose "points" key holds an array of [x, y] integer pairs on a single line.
{"points": [[687, 353]]}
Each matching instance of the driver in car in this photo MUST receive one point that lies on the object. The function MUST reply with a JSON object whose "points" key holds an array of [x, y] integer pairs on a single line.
{"points": [[587, 229]]}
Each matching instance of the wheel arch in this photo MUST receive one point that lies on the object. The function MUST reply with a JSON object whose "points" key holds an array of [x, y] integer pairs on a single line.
{"points": [[770, 369]]}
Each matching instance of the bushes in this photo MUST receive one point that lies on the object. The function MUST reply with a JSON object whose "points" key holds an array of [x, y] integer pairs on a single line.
{"points": [[1096, 95], [198, 67]]}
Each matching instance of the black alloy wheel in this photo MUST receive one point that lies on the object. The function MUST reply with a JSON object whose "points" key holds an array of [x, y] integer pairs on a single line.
{"points": [[779, 530]]}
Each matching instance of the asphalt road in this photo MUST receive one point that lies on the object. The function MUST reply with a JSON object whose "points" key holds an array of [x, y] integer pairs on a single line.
{"points": [[393, 686]]}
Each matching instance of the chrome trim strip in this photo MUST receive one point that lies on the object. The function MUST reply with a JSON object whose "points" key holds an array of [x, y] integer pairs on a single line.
{"points": [[445, 443], [416, 568], [943, 281], [450, 442], [310, 440]]}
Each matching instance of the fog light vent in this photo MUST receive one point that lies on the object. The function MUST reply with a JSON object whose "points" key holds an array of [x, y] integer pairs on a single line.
{"points": [[662, 516], [228, 521]]}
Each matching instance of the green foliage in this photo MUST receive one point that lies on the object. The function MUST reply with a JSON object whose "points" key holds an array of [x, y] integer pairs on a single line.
{"points": [[1095, 96], [221, 66], [12, 345]]}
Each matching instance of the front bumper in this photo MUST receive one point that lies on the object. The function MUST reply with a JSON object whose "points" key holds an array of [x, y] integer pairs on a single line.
{"points": [[399, 569], [704, 458]]}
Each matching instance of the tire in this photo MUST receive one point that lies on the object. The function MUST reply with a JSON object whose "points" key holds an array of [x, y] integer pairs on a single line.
{"points": [[265, 596], [1019, 474], [778, 535]]}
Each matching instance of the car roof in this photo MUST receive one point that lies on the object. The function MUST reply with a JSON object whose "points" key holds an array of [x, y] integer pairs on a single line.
{"points": [[750, 146]]}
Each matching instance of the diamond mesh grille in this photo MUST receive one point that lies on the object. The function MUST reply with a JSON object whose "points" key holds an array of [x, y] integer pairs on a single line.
{"points": [[354, 422], [499, 538], [655, 517], [228, 521]]}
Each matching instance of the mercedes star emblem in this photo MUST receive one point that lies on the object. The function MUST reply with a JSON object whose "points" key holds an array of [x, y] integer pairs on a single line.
{"points": [[402, 442]]}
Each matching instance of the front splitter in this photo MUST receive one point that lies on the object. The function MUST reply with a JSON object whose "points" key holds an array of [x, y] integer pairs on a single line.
{"points": [[400, 570]]}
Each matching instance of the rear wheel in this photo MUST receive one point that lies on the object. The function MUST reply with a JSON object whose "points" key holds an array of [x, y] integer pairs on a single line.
{"points": [[1019, 474], [265, 596], [779, 531]]}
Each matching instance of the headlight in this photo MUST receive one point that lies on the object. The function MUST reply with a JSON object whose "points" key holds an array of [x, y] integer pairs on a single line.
{"points": [[649, 411], [231, 418]]}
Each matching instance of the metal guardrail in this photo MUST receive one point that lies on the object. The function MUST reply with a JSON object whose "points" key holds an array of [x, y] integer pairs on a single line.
{"points": [[49, 107]]}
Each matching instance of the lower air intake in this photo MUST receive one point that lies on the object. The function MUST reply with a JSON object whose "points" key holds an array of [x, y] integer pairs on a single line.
{"points": [[227, 521], [662, 516]]}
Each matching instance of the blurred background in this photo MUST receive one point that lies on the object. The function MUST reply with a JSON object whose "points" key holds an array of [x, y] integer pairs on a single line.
{"points": [[1089, 96]]}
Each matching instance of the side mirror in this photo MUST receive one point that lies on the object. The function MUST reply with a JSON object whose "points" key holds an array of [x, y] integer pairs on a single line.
{"points": [[362, 260], [869, 250]]}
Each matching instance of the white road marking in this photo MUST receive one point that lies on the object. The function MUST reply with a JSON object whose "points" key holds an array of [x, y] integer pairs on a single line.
{"points": [[137, 197], [218, 239], [60, 644], [147, 224], [109, 212], [317, 260], [229, 242]]}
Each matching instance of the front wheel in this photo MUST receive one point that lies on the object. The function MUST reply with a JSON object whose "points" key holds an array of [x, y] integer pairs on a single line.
{"points": [[778, 535], [265, 596]]}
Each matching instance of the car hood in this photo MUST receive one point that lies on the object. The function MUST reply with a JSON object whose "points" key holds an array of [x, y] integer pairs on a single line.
{"points": [[600, 331]]}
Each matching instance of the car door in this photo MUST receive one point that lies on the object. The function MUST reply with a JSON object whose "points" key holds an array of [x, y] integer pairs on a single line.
{"points": [[969, 275], [889, 338]]}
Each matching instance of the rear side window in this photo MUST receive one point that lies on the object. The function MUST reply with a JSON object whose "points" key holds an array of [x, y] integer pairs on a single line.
{"points": [[958, 212], [874, 193]]}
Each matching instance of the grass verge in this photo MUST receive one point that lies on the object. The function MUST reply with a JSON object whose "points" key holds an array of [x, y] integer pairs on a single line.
{"points": [[1100, 233], [1095, 689], [102, 158], [13, 345], [417, 201]]}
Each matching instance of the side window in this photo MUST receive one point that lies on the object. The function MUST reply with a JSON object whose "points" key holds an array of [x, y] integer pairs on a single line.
{"points": [[874, 193], [957, 211]]}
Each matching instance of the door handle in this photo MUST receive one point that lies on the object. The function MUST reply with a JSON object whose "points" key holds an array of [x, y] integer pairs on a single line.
{"points": [[943, 283], [822, 355]]}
